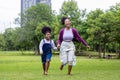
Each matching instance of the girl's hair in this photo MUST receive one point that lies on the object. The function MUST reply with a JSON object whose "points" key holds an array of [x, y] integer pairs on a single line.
{"points": [[46, 29], [63, 20]]}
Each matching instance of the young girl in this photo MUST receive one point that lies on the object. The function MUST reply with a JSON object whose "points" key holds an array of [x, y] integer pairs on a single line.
{"points": [[45, 47]]}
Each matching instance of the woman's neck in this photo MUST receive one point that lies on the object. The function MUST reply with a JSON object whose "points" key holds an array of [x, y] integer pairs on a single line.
{"points": [[67, 28]]}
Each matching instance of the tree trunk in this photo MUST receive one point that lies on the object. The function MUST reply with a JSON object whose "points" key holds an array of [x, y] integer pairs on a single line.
{"points": [[36, 46], [119, 52], [104, 50], [99, 50], [104, 46]]}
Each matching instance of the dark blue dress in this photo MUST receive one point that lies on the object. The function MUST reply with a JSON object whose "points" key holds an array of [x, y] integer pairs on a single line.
{"points": [[47, 51]]}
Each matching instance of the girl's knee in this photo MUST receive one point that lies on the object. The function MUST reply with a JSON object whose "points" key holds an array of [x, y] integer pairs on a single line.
{"points": [[48, 60]]}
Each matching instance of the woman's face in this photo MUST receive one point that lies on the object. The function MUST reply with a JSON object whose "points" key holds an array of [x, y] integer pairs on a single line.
{"points": [[67, 23], [48, 35]]}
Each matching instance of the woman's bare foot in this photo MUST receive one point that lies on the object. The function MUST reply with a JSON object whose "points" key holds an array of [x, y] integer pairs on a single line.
{"points": [[69, 74], [61, 67], [43, 73]]}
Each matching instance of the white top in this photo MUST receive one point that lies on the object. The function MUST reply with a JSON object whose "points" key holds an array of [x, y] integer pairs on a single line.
{"points": [[46, 41], [67, 35]]}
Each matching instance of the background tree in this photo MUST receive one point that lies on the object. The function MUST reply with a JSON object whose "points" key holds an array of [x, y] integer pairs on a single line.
{"points": [[94, 30], [71, 10], [100, 28], [32, 18], [116, 28], [2, 41]]}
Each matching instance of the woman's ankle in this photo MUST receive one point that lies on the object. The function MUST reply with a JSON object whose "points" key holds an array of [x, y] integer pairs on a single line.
{"points": [[61, 67]]}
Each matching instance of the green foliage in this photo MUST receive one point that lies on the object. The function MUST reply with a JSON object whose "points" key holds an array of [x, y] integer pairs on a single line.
{"points": [[32, 21], [38, 32], [55, 26], [102, 26], [70, 9], [34, 16], [99, 28], [8, 36], [2, 41]]}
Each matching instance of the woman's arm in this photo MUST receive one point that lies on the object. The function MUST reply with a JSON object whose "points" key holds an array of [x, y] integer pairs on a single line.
{"points": [[60, 37], [78, 37]]}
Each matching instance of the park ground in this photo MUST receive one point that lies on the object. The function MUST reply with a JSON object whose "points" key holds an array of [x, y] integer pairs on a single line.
{"points": [[17, 66]]}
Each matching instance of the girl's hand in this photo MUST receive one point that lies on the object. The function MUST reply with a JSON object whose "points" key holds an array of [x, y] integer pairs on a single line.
{"points": [[41, 52]]}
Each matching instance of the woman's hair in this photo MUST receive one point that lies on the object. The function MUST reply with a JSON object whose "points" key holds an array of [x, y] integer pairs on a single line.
{"points": [[63, 20], [46, 29]]}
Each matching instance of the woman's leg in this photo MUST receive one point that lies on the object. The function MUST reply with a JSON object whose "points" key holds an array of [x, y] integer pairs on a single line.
{"points": [[63, 58], [69, 69], [70, 61], [61, 67]]}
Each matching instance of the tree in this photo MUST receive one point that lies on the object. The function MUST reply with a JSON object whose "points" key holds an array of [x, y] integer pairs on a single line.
{"points": [[32, 18], [71, 10], [107, 21], [2, 41], [115, 9], [103, 29], [94, 29], [8, 36]]}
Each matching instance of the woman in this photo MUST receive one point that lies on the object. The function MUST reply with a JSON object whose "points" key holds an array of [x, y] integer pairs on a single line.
{"points": [[67, 48]]}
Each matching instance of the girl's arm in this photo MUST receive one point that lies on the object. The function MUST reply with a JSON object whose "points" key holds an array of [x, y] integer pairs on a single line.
{"points": [[40, 47]]}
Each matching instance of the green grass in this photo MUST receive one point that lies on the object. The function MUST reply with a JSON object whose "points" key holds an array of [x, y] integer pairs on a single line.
{"points": [[17, 67], [16, 53]]}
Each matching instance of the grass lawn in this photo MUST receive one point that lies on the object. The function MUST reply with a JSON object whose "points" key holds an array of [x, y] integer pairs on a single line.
{"points": [[28, 67]]}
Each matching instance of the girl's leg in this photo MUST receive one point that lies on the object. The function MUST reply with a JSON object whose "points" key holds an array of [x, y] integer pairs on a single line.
{"points": [[47, 64], [43, 68]]}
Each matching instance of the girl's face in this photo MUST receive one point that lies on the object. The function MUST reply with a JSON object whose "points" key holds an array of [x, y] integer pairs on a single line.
{"points": [[67, 23], [48, 35]]}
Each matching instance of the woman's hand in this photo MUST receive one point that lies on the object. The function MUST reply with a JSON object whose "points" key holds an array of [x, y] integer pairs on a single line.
{"points": [[58, 45], [88, 46]]}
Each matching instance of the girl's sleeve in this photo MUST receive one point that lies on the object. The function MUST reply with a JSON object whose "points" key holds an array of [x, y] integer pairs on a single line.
{"points": [[40, 47], [78, 37], [53, 45]]}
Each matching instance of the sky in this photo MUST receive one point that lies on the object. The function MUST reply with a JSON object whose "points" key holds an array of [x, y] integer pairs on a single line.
{"points": [[10, 9]]}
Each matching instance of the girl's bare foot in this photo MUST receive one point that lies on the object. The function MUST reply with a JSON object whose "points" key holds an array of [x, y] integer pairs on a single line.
{"points": [[46, 73]]}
